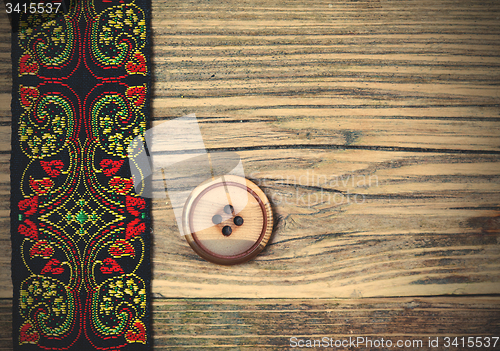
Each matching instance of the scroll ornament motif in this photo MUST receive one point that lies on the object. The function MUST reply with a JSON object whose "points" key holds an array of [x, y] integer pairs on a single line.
{"points": [[80, 224]]}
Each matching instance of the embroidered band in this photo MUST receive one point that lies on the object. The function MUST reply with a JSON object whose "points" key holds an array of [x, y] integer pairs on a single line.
{"points": [[80, 235]]}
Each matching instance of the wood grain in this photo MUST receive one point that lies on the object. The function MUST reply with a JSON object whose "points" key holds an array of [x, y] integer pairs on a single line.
{"points": [[373, 127], [262, 324], [399, 97], [396, 102]]}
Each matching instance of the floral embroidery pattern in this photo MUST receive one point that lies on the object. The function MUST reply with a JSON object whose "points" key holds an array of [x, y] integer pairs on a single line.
{"points": [[80, 233]]}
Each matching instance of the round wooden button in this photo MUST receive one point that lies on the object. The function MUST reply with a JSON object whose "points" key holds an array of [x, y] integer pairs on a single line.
{"points": [[228, 220]]}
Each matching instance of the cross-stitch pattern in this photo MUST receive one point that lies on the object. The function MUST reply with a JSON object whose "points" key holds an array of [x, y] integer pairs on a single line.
{"points": [[80, 235]]}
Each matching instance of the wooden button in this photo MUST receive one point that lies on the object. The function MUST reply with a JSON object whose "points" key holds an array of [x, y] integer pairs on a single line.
{"points": [[228, 220]]}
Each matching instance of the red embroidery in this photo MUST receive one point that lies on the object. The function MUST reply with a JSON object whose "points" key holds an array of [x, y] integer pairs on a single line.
{"points": [[28, 334], [137, 334], [137, 94], [135, 204], [134, 228], [41, 248], [41, 186], [53, 267], [31, 203], [121, 248], [120, 185], [52, 168], [110, 266], [30, 230], [27, 65], [28, 95], [140, 67], [110, 167]]}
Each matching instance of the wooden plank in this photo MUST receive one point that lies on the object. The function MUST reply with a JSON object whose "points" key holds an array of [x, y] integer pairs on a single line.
{"points": [[419, 232], [357, 223], [395, 102], [401, 92], [271, 323], [251, 324]]}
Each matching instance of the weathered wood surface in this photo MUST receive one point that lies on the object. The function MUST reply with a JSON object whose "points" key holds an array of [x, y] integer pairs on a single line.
{"points": [[400, 96], [396, 102], [260, 324]]}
